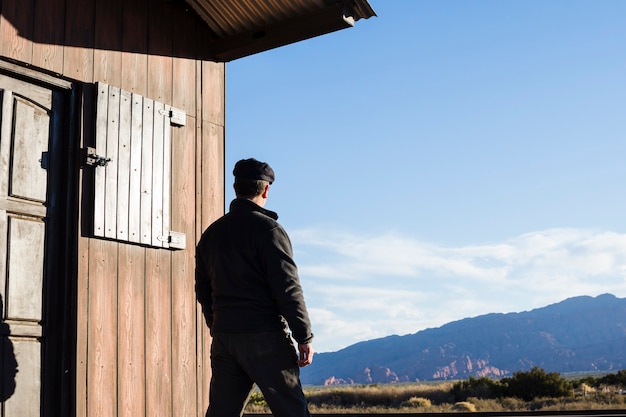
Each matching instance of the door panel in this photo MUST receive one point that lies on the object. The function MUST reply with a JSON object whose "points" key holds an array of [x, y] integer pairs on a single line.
{"points": [[30, 141], [25, 400], [27, 133], [23, 299]]}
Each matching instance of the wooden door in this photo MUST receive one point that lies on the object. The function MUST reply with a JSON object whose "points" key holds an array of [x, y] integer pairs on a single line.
{"points": [[30, 124]]}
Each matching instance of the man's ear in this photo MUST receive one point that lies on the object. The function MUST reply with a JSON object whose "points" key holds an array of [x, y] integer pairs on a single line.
{"points": [[265, 190]]}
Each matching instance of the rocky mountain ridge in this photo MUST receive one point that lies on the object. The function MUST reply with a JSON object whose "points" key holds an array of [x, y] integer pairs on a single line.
{"points": [[576, 335]]}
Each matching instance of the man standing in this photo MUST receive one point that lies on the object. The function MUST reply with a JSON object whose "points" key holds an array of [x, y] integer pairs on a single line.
{"points": [[247, 284]]}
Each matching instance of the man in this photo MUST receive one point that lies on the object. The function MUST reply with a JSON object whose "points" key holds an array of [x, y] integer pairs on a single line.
{"points": [[247, 284]]}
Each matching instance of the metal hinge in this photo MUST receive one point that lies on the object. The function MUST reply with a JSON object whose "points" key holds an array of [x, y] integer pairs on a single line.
{"points": [[176, 240], [177, 117]]}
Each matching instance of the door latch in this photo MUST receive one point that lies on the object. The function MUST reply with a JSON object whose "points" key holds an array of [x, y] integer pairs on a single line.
{"points": [[94, 160]]}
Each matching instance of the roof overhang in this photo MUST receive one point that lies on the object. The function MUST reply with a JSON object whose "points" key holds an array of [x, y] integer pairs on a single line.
{"points": [[245, 27]]}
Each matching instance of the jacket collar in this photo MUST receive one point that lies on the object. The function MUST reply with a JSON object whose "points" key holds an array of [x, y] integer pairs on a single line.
{"points": [[243, 204]]}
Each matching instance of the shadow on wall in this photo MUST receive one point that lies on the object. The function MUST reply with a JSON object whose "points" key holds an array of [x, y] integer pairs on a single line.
{"points": [[141, 21], [9, 362]]}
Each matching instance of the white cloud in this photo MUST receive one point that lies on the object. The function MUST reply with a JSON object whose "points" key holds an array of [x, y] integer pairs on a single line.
{"points": [[362, 287]]}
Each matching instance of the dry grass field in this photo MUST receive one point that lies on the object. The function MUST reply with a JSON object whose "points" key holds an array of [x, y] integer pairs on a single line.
{"points": [[436, 398]]}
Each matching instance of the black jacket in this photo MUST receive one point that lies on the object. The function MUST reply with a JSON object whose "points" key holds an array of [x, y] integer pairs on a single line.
{"points": [[246, 279]]}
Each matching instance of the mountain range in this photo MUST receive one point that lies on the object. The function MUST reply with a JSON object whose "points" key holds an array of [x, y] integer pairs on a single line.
{"points": [[578, 334]]}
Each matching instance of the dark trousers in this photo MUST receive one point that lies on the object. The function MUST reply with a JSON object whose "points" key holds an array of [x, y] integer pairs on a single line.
{"points": [[269, 359]]}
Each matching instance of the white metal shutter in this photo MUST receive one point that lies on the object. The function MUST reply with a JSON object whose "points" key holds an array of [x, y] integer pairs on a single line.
{"points": [[133, 168]]}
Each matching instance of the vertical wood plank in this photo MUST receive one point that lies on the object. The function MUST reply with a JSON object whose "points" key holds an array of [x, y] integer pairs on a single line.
{"points": [[158, 333], [132, 289], [212, 178], [102, 334], [123, 166], [212, 196], [202, 341], [16, 30], [131, 332], [82, 285], [146, 172], [135, 68], [107, 53], [213, 99], [167, 180], [183, 291], [82, 319], [183, 145], [102, 108], [159, 394], [111, 169], [103, 364], [211, 184], [135, 46], [134, 186], [160, 124], [160, 39], [213, 142], [48, 34], [184, 69], [78, 60]]}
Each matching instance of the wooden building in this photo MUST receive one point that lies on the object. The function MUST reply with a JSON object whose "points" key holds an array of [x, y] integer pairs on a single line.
{"points": [[111, 165]]}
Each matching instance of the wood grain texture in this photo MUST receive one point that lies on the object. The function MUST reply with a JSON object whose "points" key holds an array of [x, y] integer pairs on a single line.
{"points": [[110, 151], [123, 166], [184, 69], [158, 173], [212, 179], [108, 42], [134, 185], [135, 47], [158, 262], [158, 333], [131, 332], [213, 98], [48, 34], [142, 348], [102, 330], [132, 287], [16, 30], [145, 229], [102, 367], [183, 290], [78, 53]]}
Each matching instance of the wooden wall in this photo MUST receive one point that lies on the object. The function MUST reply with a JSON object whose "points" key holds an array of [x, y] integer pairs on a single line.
{"points": [[142, 347]]}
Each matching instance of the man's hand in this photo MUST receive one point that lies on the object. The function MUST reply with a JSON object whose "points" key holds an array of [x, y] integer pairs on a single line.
{"points": [[306, 354]]}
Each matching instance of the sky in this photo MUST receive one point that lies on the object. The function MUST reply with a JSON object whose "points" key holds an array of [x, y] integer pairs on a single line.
{"points": [[443, 160]]}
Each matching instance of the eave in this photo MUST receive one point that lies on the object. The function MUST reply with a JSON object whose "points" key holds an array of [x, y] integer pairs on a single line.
{"points": [[245, 27]]}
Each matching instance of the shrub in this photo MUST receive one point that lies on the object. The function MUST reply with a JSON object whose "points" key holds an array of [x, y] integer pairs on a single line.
{"points": [[491, 405], [512, 404], [464, 406], [617, 379], [418, 402], [536, 383], [485, 388]]}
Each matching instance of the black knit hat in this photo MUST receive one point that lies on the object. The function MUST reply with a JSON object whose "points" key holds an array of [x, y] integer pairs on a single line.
{"points": [[251, 169]]}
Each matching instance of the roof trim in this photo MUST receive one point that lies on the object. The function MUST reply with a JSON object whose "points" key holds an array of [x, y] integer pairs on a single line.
{"points": [[253, 26]]}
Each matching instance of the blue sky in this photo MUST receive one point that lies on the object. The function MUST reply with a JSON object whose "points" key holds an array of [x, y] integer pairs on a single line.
{"points": [[446, 159]]}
